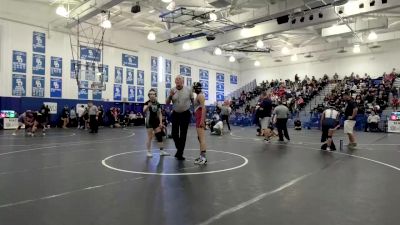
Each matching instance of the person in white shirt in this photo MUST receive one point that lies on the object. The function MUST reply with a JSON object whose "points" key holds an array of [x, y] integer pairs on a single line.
{"points": [[373, 121], [80, 111], [218, 128]]}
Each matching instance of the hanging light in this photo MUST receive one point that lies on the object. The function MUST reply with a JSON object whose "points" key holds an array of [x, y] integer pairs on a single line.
{"points": [[166, 1], [294, 58], [257, 63], [171, 6], [260, 44], [106, 24], [232, 58], [151, 36], [356, 48], [217, 51], [213, 17], [186, 46], [285, 51], [372, 36], [62, 11]]}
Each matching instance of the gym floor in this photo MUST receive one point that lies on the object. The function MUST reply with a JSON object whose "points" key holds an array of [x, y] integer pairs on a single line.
{"points": [[72, 177]]}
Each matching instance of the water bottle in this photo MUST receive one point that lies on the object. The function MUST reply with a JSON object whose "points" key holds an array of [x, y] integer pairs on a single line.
{"points": [[341, 144]]}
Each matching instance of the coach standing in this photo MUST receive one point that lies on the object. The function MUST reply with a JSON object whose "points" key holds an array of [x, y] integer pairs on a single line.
{"points": [[281, 115], [181, 97], [93, 118]]}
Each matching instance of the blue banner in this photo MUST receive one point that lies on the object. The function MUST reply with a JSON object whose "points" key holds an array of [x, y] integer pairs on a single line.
{"points": [[38, 64], [168, 68], [131, 93], [37, 86], [105, 72], [154, 77], [185, 70], [154, 64], [90, 54], [203, 74], [75, 67], [204, 84], [55, 66], [39, 42], [220, 96], [140, 94], [83, 89], [18, 85], [130, 60], [55, 87], [168, 81], [96, 94], [118, 75], [234, 79], [129, 75], [189, 82], [140, 77], [220, 77], [205, 94], [90, 71], [19, 62], [220, 86], [117, 92]]}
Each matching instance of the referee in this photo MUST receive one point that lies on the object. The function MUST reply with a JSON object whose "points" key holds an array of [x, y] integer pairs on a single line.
{"points": [[93, 118]]}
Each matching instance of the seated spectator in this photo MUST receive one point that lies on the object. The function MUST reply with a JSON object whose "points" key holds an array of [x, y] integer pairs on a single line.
{"points": [[373, 121], [297, 124]]}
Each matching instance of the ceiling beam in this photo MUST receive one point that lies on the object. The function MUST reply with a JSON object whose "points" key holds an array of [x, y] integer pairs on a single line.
{"points": [[271, 27]]}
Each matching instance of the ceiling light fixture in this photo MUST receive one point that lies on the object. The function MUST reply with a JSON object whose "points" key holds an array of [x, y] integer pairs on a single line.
{"points": [[285, 51], [372, 36], [185, 46], [356, 48], [62, 11], [257, 63], [151, 36], [217, 51], [152, 11], [260, 44], [294, 58], [106, 24], [213, 17], [166, 1], [232, 58]]}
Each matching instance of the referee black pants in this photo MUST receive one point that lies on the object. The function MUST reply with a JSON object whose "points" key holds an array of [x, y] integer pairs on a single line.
{"points": [[94, 126], [180, 125]]}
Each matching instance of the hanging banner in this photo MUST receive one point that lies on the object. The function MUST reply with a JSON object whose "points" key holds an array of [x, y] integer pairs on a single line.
{"points": [[83, 89], [96, 94], [140, 77], [205, 94], [37, 86], [154, 77], [55, 66], [129, 75], [168, 69], [118, 72], [131, 93], [117, 92], [140, 94], [90, 71], [220, 86], [203, 74], [168, 81], [130, 61], [19, 62], [204, 84], [234, 79], [185, 70], [220, 96], [55, 87], [220, 77], [154, 64], [18, 85], [75, 67], [90, 54], [104, 68], [189, 82], [39, 42], [38, 64]]}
